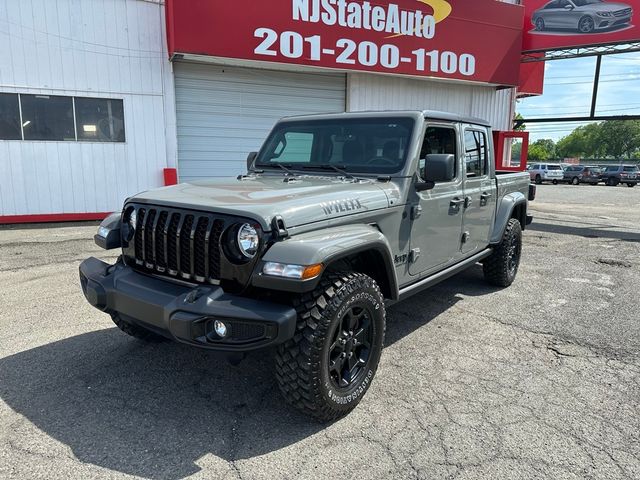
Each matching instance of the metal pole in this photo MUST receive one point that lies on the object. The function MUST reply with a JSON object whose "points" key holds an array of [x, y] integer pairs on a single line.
{"points": [[596, 82]]}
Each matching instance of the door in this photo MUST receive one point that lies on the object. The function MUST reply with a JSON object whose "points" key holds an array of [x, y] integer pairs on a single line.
{"points": [[479, 191], [570, 16], [223, 113], [437, 219]]}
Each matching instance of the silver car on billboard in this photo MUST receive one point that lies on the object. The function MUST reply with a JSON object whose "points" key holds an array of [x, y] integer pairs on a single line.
{"points": [[585, 16]]}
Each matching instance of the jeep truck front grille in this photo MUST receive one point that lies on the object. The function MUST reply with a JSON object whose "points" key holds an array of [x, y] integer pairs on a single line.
{"points": [[178, 243]]}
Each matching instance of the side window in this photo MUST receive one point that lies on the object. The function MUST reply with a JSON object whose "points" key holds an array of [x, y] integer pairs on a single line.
{"points": [[438, 140], [475, 153], [47, 117], [9, 117], [553, 4]]}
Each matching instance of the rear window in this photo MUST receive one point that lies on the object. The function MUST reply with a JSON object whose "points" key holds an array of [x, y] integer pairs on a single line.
{"points": [[554, 167], [630, 169]]}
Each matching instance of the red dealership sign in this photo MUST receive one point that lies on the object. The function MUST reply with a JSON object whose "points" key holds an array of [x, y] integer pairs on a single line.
{"points": [[479, 40], [558, 24]]}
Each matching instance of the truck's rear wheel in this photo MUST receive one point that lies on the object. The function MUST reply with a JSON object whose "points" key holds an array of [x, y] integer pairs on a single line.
{"points": [[327, 367], [502, 266], [135, 331]]}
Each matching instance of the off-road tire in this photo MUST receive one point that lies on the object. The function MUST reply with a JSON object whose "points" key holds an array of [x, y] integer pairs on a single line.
{"points": [[498, 267], [302, 363], [135, 331]]}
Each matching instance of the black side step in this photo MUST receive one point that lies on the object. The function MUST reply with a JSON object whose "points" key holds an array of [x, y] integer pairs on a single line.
{"points": [[436, 278]]}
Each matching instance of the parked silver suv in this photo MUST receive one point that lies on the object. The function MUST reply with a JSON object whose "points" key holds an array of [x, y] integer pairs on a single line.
{"points": [[546, 172], [585, 16]]}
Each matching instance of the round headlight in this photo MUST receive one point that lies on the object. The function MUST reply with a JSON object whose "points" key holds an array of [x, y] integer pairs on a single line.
{"points": [[248, 240]]}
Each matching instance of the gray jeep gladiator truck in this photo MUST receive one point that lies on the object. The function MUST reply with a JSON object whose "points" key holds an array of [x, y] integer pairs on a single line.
{"points": [[338, 217]]}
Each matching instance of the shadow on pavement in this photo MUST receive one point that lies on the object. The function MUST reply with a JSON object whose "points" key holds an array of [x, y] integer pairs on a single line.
{"points": [[587, 232], [154, 410]]}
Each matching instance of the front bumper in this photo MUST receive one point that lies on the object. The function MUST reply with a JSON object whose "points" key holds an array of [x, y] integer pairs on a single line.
{"points": [[185, 313]]}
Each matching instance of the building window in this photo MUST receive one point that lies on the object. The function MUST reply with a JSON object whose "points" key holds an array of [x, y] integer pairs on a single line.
{"points": [[99, 119], [59, 118], [9, 117], [47, 117]]}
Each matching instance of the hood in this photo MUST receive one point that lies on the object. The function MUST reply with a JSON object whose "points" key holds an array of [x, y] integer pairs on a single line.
{"points": [[306, 200], [608, 6]]}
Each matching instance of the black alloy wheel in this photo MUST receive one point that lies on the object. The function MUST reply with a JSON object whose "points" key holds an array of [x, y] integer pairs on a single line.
{"points": [[328, 366], [350, 348], [514, 251]]}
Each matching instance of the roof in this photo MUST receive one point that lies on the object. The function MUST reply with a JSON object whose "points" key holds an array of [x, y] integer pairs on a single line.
{"points": [[428, 114]]}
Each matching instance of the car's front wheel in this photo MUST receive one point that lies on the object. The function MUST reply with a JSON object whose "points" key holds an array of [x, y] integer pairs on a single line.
{"points": [[575, 181], [631, 185], [329, 364], [586, 25], [538, 180]]}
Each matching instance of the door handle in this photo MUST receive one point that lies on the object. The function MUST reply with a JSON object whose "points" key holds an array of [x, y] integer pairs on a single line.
{"points": [[486, 196], [457, 202]]}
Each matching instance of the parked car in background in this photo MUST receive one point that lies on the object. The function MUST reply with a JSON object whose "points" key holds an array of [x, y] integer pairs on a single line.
{"points": [[577, 174], [616, 174], [546, 172], [585, 16]]}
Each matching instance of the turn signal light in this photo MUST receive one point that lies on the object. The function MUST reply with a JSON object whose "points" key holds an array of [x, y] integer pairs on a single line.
{"points": [[298, 272], [312, 271]]}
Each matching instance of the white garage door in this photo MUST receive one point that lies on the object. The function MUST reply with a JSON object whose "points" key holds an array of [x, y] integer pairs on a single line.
{"points": [[225, 113]]}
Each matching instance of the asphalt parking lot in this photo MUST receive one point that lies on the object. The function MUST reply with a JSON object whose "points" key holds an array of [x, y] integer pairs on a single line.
{"points": [[541, 380]]}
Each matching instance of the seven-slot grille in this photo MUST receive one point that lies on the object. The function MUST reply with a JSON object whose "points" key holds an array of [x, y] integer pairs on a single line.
{"points": [[622, 13], [178, 243]]}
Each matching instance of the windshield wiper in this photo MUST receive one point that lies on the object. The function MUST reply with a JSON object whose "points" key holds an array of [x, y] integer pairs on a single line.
{"points": [[327, 166], [284, 167]]}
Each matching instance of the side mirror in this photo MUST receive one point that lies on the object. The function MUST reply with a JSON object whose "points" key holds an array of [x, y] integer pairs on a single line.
{"points": [[439, 168], [568, 7], [251, 158]]}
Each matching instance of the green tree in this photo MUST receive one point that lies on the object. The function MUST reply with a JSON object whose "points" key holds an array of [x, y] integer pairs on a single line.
{"points": [[585, 141], [537, 153], [620, 138], [522, 127]]}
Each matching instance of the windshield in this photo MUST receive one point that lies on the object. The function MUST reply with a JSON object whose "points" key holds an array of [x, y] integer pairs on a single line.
{"points": [[362, 145], [582, 3]]}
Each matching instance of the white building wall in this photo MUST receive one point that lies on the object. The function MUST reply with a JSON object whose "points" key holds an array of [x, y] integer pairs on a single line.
{"points": [[380, 92], [91, 48]]}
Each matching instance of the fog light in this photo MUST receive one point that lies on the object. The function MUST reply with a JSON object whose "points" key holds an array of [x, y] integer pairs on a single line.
{"points": [[220, 328]]}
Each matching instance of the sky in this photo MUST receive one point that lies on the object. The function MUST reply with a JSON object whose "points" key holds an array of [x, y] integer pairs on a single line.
{"points": [[568, 89]]}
